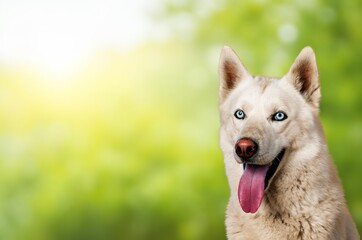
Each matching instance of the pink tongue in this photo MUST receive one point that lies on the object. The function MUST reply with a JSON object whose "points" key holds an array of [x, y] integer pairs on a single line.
{"points": [[251, 187]]}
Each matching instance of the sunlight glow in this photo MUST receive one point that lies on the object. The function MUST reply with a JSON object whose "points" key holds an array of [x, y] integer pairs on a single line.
{"points": [[57, 36]]}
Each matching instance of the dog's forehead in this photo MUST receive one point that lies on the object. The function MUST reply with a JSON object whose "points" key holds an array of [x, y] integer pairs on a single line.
{"points": [[255, 87], [264, 82], [271, 89], [260, 89]]}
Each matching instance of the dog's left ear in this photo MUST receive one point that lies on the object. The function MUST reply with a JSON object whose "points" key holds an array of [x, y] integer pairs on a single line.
{"points": [[304, 76]]}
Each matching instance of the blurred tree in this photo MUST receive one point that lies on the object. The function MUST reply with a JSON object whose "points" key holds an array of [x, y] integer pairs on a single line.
{"points": [[128, 149], [268, 36]]}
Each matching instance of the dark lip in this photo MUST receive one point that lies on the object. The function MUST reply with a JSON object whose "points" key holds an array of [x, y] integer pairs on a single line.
{"points": [[273, 168]]}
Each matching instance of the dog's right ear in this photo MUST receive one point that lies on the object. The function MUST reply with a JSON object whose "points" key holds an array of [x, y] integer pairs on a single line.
{"points": [[231, 71]]}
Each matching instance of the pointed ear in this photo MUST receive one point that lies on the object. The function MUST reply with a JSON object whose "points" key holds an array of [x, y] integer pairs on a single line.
{"points": [[231, 71], [304, 76]]}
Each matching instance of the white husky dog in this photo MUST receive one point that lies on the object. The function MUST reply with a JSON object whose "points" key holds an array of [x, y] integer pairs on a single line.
{"points": [[283, 183]]}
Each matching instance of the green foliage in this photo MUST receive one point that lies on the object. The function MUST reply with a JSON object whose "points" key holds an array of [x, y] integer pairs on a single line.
{"points": [[127, 148], [268, 35], [118, 152]]}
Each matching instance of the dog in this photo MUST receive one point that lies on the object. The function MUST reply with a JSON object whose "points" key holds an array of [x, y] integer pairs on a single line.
{"points": [[283, 183]]}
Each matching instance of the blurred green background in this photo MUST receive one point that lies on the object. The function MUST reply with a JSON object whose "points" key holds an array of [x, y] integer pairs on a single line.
{"points": [[125, 146]]}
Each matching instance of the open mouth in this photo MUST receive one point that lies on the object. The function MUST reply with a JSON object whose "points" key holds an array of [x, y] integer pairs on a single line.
{"points": [[272, 167], [254, 180]]}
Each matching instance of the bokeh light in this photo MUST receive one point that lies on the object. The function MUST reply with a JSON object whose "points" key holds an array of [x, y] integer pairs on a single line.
{"points": [[109, 111]]}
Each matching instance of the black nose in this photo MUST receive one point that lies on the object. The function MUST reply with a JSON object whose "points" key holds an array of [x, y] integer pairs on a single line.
{"points": [[246, 148]]}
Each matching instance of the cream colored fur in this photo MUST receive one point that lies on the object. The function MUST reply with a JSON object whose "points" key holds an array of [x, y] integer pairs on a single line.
{"points": [[304, 199]]}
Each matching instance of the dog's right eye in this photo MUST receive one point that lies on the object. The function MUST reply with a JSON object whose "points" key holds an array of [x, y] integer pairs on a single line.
{"points": [[239, 114]]}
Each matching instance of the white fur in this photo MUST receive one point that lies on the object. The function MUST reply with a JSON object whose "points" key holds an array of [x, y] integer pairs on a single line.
{"points": [[304, 199]]}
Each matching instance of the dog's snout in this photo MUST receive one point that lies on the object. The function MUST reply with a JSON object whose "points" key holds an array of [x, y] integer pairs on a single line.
{"points": [[246, 148]]}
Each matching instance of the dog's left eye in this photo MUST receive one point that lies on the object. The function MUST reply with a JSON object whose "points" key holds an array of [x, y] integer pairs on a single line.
{"points": [[279, 116]]}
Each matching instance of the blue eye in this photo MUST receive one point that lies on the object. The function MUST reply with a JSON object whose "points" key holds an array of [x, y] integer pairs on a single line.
{"points": [[239, 114], [279, 116]]}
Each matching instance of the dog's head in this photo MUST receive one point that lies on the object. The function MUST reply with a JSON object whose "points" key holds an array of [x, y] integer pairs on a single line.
{"points": [[262, 118]]}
